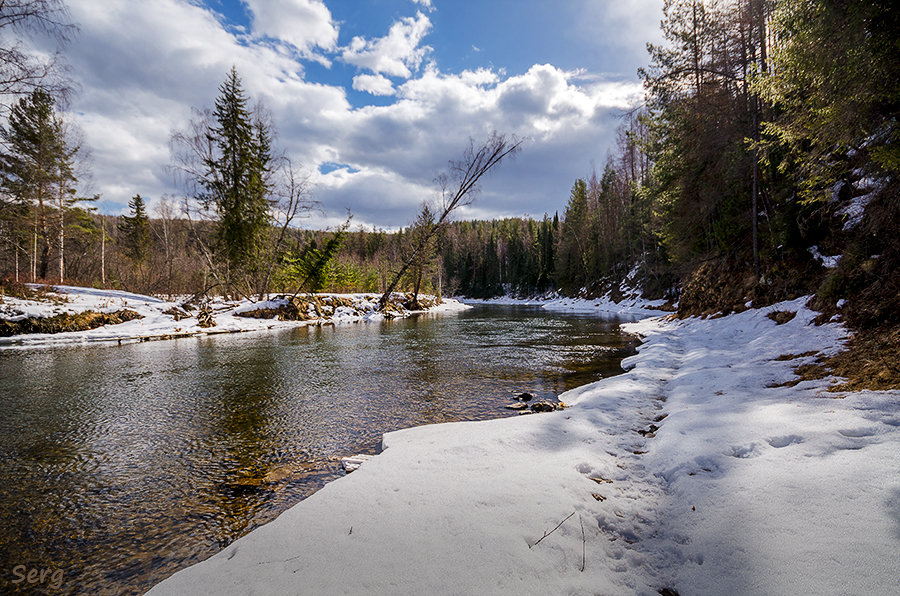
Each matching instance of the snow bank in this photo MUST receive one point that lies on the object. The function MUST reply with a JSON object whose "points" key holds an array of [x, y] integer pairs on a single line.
{"points": [[692, 471], [159, 323], [629, 306]]}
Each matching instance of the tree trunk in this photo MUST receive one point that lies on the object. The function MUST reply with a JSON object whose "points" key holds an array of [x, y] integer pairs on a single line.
{"points": [[102, 251], [62, 238]]}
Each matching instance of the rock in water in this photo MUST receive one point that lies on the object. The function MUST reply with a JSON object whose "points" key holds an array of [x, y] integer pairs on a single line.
{"points": [[525, 396], [516, 406], [542, 406]]}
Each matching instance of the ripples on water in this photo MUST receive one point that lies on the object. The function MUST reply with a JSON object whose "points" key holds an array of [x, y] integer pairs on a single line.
{"points": [[122, 464]]}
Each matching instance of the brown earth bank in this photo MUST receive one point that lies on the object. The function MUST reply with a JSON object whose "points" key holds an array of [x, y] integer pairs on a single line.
{"points": [[61, 323], [863, 292]]}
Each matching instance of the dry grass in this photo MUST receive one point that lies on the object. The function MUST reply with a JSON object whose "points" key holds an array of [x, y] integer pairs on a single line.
{"points": [[871, 361], [66, 322], [781, 316], [15, 289]]}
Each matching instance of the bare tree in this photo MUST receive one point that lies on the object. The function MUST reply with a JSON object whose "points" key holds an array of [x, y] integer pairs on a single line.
{"points": [[21, 71], [459, 188]]}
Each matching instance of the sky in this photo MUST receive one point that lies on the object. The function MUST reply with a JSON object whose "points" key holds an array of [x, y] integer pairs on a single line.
{"points": [[371, 98]]}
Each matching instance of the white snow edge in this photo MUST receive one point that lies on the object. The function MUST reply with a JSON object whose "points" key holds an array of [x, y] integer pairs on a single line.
{"points": [[157, 325]]}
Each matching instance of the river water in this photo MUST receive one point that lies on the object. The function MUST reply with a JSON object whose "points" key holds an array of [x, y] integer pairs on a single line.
{"points": [[120, 465]]}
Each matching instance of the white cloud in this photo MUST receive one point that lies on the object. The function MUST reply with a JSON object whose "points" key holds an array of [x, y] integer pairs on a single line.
{"points": [[397, 54], [374, 84], [305, 24], [626, 25], [141, 67]]}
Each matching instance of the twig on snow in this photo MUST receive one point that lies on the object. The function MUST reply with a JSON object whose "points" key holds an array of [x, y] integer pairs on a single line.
{"points": [[553, 530], [583, 542]]}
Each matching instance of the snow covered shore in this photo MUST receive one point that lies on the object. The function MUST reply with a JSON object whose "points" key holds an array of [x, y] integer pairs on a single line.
{"points": [[158, 316], [630, 306], [695, 471]]}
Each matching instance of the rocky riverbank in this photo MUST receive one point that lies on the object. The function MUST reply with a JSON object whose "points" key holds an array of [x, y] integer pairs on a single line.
{"points": [[52, 315]]}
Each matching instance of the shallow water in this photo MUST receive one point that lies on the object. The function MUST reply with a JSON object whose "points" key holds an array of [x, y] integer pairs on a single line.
{"points": [[120, 465]]}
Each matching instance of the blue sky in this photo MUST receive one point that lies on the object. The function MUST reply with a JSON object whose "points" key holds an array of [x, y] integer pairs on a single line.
{"points": [[371, 97]]}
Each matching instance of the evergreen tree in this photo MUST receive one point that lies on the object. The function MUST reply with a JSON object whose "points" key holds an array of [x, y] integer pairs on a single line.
{"points": [[134, 232], [834, 84], [236, 180], [36, 168], [572, 267]]}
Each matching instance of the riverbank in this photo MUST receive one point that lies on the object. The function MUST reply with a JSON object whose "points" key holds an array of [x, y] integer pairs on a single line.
{"points": [[149, 318], [703, 469], [629, 306]]}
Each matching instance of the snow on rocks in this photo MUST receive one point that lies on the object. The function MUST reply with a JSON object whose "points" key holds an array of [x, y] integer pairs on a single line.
{"points": [[161, 319], [737, 485], [829, 262]]}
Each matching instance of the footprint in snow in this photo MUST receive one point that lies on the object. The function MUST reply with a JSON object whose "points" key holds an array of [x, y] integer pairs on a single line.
{"points": [[856, 433], [743, 451], [779, 442]]}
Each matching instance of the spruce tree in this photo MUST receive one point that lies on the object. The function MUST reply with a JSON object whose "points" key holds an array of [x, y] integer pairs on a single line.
{"points": [[236, 182], [134, 232]]}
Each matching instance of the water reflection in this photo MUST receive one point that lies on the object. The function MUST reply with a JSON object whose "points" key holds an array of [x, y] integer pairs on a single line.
{"points": [[122, 464]]}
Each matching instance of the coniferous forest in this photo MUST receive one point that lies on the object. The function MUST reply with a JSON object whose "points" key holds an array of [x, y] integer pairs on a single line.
{"points": [[765, 148]]}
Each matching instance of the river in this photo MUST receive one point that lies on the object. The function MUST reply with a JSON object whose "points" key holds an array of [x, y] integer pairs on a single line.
{"points": [[120, 465]]}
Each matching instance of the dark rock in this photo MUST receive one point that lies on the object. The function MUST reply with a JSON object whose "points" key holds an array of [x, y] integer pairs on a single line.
{"points": [[525, 396], [542, 406]]}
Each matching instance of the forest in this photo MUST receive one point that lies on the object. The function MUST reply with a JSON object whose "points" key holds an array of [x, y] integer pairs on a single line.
{"points": [[766, 148]]}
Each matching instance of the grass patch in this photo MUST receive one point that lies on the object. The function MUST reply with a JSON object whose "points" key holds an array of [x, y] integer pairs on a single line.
{"points": [[781, 316], [870, 361], [61, 323], [14, 289]]}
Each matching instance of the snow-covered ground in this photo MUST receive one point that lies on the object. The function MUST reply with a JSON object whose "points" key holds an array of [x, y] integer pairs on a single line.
{"points": [[732, 486], [630, 306], [157, 324]]}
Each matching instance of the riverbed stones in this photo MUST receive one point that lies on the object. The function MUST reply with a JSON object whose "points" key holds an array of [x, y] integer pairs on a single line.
{"points": [[516, 406], [542, 406], [525, 396]]}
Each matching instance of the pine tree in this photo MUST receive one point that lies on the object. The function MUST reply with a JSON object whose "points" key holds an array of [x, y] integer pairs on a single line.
{"points": [[834, 81], [37, 168]]}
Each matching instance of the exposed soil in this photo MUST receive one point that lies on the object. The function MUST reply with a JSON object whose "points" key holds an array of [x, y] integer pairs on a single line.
{"points": [[82, 321], [310, 306]]}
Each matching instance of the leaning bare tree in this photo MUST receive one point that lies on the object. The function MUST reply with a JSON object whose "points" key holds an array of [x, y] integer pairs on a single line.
{"points": [[459, 188]]}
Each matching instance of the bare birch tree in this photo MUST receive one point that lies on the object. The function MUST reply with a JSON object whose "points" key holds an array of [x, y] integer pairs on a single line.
{"points": [[459, 187]]}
